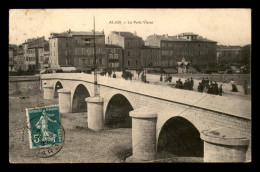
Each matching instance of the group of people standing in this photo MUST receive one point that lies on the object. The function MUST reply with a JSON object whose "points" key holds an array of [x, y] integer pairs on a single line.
{"points": [[210, 87], [187, 85]]}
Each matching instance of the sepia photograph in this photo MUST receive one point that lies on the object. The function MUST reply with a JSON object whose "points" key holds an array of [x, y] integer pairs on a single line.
{"points": [[130, 85]]}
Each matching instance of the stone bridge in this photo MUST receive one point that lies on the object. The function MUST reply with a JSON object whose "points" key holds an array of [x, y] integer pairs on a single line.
{"points": [[181, 114]]}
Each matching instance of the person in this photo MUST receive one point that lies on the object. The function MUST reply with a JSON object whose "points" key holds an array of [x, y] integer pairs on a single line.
{"points": [[234, 87], [161, 78], [245, 87], [220, 91], [185, 84], [191, 83], [200, 87], [215, 90], [114, 75], [43, 125], [109, 73], [170, 78]]}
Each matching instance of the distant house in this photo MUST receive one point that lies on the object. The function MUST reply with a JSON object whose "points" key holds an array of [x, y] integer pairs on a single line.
{"points": [[131, 44], [195, 48]]}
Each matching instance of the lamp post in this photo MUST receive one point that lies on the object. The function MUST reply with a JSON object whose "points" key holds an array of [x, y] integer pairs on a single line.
{"points": [[95, 64]]}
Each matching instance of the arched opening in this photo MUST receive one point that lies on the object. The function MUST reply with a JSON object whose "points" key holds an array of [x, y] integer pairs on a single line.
{"points": [[57, 87], [179, 138], [117, 113], [78, 103]]}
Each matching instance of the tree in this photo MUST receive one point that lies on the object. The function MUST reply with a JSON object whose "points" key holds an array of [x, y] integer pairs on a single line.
{"points": [[245, 55]]}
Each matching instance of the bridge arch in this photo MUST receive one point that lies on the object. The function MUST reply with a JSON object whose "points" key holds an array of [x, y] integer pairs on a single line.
{"points": [[179, 137], [117, 112], [58, 85], [78, 98]]}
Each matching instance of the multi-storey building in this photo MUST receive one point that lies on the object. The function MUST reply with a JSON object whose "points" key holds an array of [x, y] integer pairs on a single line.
{"points": [[131, 44], [20, 60], [31, 54], [228, 54], [77, 49], [114, 56], [195, 49], [150, 56], [12, 56], [43, 54]]}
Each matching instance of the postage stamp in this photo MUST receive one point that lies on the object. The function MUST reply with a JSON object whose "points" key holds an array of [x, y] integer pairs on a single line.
{"points": [[44, 127]]}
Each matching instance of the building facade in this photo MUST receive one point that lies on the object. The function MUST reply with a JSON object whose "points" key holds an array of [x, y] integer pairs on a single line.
{"points": [[77, 49], [114, 56], [196, 49], [19, 59], [131, 44], [31, 53], [228, 54], [150, 56]]}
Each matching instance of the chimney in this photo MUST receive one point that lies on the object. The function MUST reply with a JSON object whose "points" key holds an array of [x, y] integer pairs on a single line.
{"points": [[177, 36], [166, 35]]}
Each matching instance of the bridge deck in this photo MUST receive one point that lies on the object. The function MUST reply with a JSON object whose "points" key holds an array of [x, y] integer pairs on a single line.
{"points": [[227, 105]]}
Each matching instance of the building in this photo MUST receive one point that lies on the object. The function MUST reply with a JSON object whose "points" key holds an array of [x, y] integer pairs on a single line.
{"points": [[77, 49], [31, 49], [12, 56], [131, 44], [228, 54], [150, 56], [20, 60], [114, 56], [43, 54], [196, 49]]}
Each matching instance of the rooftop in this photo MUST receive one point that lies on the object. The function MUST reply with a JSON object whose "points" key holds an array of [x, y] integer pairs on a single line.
{"points": [[112, 46], [70, 33], [126, 34], [180, 37]]}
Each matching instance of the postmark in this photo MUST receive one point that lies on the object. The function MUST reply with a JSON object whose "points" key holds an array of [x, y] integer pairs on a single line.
{"points": [[45, 132]]}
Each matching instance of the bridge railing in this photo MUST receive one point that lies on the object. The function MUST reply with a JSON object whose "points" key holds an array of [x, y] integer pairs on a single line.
{"points": [[229, 105]]}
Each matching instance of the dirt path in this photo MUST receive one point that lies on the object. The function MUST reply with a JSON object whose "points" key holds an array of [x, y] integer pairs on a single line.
{"points": [[81, 145]]}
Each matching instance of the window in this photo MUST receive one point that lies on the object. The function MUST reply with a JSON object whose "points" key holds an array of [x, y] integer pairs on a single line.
{"points": [[54, 53], [67, 44], [128, 62], [110, 56], [115, 56], [128, 53], [113, 50], [88, 61], [128, 43], [54, 44], [136, 62], [199, 45], [206, 45], [83, 61]]}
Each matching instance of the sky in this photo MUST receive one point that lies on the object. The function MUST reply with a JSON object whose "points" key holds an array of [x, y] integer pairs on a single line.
{"points": [[226, 26]]}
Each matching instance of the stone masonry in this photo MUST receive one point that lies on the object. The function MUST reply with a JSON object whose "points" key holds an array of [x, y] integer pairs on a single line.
{"points": [[204, 111]]}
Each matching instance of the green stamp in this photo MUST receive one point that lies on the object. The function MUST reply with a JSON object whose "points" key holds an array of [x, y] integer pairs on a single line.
{"points": [[44, 127]]}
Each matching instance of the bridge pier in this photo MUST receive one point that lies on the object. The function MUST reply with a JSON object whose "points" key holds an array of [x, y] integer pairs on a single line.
{"points": [[95, 113], [48, 92], [64, 100], [143, 135], [224, 145]]}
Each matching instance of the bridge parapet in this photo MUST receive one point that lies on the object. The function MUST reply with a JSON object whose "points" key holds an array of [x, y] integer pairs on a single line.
{"points": [[227, 105]]}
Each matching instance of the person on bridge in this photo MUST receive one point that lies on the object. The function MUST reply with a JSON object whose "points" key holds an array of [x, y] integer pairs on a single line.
{"points": [[220, 91], [234, 87], [191, 83], [200, 87], [245, 87]]}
